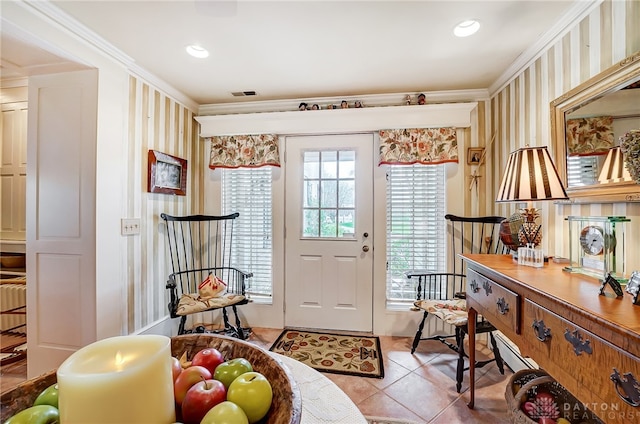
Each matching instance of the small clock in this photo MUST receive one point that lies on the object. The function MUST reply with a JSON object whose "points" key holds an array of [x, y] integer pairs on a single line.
{"points": [[592, 240], [596, 246]]}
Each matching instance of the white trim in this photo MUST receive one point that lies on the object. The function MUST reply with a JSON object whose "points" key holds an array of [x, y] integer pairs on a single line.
{"points": [[339, 121], [371, 100], [579, 10], [83, 33]]}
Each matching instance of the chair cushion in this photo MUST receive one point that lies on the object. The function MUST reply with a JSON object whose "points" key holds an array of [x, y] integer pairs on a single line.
{"points": [[192, 303], [453, 311]]}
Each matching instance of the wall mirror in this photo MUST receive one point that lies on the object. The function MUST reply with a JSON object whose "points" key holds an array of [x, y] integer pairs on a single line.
{"points": [[587, 122]]}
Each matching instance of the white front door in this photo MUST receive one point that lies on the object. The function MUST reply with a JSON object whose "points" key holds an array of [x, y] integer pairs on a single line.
{"points": [[329, 232]]}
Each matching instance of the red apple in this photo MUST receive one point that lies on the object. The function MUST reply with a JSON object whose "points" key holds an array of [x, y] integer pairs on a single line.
{"points": [[187, 378], [176, 368], [252, 392], [200, 398], [209, 358]]}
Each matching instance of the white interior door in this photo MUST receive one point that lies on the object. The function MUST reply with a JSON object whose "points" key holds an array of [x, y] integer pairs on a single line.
{"points": [[61, 211], [329, 232]]}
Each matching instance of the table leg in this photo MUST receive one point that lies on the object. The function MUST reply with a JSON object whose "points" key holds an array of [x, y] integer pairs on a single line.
{"points": [[471, 326]]}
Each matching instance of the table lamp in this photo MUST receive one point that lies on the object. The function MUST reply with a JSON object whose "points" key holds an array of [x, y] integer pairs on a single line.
{"points": [[530, 175], [614, 169]]}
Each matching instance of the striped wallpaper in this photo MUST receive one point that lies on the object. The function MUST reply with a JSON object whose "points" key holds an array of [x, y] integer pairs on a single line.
{"points": [[517, 113], [520, 112], [156, 122]]}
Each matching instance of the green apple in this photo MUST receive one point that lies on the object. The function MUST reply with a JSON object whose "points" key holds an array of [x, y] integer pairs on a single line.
{"points": [[48, 396], [252, 392], [225, 413], [39, 414], [228, 371]]}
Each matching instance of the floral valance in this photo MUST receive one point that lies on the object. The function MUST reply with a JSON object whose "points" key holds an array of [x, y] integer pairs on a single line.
{"points": [[244, 151], [590, 136], [418, 145]]}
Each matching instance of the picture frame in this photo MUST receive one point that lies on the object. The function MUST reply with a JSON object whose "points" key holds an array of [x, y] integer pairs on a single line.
{"points": [[474, 155], [166, 174]]}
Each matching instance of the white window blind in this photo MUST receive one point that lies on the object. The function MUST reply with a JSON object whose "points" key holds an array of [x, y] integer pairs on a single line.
{"points": [[415, 225], [582, 170], [248, 192]]}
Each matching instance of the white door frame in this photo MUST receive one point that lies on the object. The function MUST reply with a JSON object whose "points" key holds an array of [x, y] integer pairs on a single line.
{"points": [[329, 281]]}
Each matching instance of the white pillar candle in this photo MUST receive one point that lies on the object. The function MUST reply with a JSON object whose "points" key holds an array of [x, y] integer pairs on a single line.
{"points": [[125, 379]]}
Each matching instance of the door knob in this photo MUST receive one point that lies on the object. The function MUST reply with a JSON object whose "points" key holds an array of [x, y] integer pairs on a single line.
{"points": [[365, 248]]}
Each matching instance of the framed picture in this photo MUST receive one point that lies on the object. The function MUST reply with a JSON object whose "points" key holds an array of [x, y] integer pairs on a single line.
{"points": [[166, 174], [474, 154]]}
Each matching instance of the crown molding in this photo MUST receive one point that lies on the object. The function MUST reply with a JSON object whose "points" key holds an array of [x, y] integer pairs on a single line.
{"points": [[82, 33], [372, 100], [575, 14]]}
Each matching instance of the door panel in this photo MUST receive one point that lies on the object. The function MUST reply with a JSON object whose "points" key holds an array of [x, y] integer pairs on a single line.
{"points": [[61, 216], [329, 222]]}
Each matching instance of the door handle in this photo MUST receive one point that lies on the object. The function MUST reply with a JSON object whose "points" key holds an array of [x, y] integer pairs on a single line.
{"points": [[365, 248]]}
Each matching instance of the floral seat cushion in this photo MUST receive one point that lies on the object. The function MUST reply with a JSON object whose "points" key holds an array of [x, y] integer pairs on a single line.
{"points": [[192, 303], [453, 311]]}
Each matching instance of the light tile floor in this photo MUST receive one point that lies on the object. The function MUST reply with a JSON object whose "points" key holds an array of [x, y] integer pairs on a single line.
{"points": [[418, 387]]}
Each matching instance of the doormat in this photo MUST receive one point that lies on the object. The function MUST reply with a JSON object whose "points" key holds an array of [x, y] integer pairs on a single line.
{"points": [[334, 353]]}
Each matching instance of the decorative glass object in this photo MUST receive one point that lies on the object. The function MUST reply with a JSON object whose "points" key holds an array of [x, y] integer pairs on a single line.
{"points": [[598, 246]]}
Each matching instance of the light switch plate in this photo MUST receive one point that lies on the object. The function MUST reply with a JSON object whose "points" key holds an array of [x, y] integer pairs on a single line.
{"points": [[129, 226]]}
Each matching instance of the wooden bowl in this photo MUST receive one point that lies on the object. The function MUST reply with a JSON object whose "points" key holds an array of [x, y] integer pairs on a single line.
{"points": [[12, 260], [286, 407]]}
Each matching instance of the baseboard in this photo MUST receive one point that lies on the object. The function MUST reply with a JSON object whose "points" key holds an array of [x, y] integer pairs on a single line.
{"points": [[511, 354], [163, 327]]}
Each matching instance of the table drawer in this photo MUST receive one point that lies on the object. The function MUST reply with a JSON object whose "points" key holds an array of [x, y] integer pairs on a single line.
{"points": [[497, 303], [597, 366]]}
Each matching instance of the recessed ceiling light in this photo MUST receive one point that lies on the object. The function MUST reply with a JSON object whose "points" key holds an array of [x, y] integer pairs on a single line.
{"points": [[197, 51], [466, 28]]}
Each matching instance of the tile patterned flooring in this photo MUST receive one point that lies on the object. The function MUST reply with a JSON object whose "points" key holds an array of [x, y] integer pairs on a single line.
{"points": [[418, 387]]}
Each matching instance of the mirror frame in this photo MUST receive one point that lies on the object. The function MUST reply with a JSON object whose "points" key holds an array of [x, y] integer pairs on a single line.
{"points": [[612, 79]]}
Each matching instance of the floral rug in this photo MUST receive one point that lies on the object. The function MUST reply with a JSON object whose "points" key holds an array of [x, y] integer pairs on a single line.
{"points": [[334, 353]]}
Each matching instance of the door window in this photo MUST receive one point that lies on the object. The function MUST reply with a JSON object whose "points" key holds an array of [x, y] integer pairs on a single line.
{"points": [[328, 206]]}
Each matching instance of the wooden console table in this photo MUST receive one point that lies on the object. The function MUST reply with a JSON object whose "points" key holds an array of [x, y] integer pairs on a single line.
{"points": [[589, 343]]}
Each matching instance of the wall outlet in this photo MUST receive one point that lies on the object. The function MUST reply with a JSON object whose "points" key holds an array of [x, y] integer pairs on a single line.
{"points": [[129, 226]]}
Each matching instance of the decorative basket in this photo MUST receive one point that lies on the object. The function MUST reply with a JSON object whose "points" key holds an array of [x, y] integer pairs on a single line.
{"points": [[286, 406], [525, 385]]}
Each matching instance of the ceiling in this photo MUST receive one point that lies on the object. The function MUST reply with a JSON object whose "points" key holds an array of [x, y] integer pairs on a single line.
{"points": [[306, 49]]}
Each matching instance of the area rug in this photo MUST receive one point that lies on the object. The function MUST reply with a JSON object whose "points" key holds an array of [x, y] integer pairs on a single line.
{"points": [[334, 353]]}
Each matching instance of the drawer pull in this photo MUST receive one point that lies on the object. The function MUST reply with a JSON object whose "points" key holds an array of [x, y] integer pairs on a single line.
{"points": [[503, 306], [542, 333], [475, 288], [487, 288], [629, 386], [579, 346]]}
